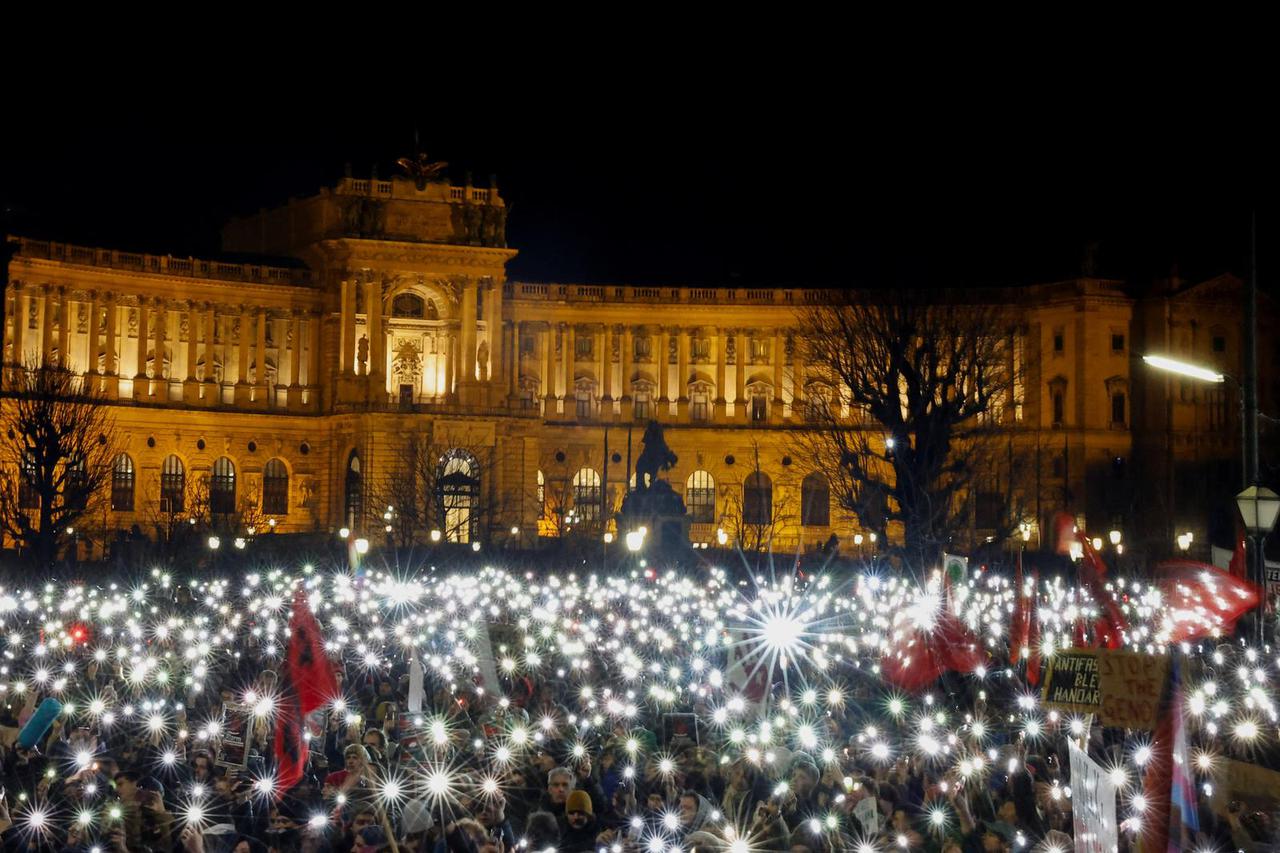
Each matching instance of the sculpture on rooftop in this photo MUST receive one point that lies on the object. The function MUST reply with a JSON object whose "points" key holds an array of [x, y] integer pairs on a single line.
{"points": [[421, 169]]}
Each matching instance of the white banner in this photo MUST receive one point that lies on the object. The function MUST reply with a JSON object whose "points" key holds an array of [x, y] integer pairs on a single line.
{"points": [[1093, 805]]}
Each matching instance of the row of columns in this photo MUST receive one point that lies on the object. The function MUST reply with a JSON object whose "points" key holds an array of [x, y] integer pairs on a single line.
{"points": [[603, 341], [152, 337], [462, 372]]}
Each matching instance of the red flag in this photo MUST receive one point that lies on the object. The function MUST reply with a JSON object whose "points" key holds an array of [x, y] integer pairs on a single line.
{"points": [[290, 747], [306, 665], [308, 683], [919, 656], [1201, 599]]}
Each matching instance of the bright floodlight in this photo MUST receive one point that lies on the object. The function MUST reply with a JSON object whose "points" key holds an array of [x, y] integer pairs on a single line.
{"points": [[1183, 368], [635, 540]]}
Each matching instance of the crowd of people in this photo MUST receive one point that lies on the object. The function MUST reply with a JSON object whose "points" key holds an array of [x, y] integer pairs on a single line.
{"points": [[535, 765]]}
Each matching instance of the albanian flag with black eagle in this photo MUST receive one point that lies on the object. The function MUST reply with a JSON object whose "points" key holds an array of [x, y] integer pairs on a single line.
{"points": [[308, 684]]}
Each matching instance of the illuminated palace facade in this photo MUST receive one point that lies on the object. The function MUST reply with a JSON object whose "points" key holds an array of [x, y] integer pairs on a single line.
{"points": [[288, 394]]}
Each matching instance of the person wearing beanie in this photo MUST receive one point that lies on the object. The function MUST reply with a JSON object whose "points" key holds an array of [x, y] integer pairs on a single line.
{"points": [[580, 833]]}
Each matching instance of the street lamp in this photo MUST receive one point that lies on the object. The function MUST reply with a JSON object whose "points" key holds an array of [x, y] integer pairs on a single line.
{"points": [[362, 546], [435, 535], [1259, 507], [214, 543], [722, 538], [1185, 540], [1184, 368], [1115, 537], [635, 539]]}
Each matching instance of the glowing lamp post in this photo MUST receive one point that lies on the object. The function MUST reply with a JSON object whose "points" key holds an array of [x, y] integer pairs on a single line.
{"points": [[1259, 507]]}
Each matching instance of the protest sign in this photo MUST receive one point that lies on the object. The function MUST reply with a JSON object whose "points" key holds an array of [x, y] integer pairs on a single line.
{"points": [[1123, 688], [1093, 805]]}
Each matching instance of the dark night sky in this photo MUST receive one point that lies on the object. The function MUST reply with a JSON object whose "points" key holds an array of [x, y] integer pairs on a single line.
{"points": [[693, 199]]}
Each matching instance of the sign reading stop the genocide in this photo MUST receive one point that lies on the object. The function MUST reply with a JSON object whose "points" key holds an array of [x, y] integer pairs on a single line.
{"points": [[1123, 688]]}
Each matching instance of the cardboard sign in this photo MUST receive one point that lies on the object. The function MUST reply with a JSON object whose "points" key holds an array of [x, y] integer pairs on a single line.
{"points": [[1073, 683], [1093, 805], [233, 743], [1123, 688], [1255, 788], [1132, 687]]}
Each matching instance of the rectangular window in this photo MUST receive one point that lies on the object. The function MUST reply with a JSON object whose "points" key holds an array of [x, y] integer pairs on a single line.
{"points": [[1117, 409], [1219, 343], [759, 349], [1117, 342], [584, 405], [988, 507], [701, 348], [526, 344], [642, 347], [1058, 408], [1059, 340], [759, 409], [700, 408], [583, 346]]}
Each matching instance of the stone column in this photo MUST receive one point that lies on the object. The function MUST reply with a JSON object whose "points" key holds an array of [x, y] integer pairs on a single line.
{"points": [[46, 327], [570, 347], [144, 318], [797, 375], [377, 346], [112, 366], [260, 360], [191, 387], [315, 322], [243, 392], [449, 365], [778, 342], [92, 347], [141, 385], [739, 373], [513, 380], [467, 373], [295, 350], [607, 363], [547, 342], [721, 405], [661, 361], [193, 341], [208, 376], [64, 329], [19, 326], [628, 350], [497, 329], [682, 363], [347, 327], [162, 319]]}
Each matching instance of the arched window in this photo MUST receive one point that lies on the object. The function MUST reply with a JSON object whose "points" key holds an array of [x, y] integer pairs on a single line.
{"points": [[75, 489], [757, 499], [587, 494], [408, 305], [173, 485], [353, 496], [222, 487], [275, 488], [122, 484], [700, 497], [815, 501], [458, 496]]}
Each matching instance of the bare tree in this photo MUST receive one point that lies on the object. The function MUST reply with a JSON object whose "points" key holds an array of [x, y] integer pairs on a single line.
{"points": [[928, 378], [56, 458], [756, 510], [429, 486]]}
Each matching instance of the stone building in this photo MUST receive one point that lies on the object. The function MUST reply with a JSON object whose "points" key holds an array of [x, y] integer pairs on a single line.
{"points": [[382, 357]]}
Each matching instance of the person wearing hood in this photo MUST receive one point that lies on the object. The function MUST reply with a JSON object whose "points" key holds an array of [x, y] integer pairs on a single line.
{"points": [[695, 812], [582, 827]]}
